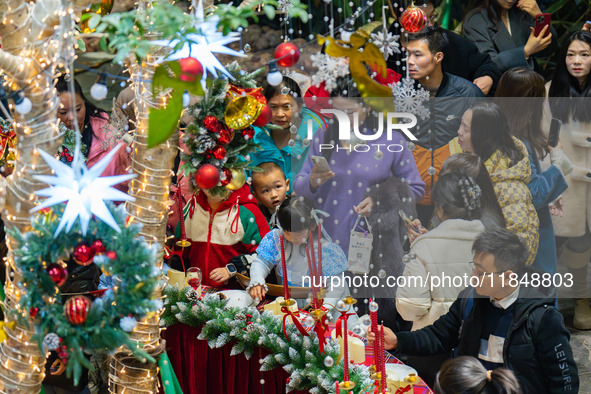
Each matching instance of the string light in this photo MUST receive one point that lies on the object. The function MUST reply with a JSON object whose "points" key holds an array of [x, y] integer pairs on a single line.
{"points": [[99, 89], [274, 78]]}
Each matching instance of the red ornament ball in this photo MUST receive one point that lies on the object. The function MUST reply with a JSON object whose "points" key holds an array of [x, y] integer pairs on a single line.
{"points": [[225, 136], [98, 247], [83, 254], [248, 133], [33, 312], [219, 152], [207, 176], [76, 308], [190, 68], [111, 254], [413, 19], [287, 54], [264, 117], [57, 273], [212, 124], [228, 175]]}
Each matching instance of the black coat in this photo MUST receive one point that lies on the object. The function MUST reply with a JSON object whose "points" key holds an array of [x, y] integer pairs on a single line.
{"points": [[536, 346]]}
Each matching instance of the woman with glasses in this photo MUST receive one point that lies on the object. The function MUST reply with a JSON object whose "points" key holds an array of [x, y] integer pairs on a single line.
{"points": [[445, 250]]}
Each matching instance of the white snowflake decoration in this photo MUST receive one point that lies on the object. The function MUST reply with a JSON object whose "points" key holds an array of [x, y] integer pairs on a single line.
{"points": [[84, 190], [387, 43], [410, 100], [329, 69], [283, 6], [204, 45]]}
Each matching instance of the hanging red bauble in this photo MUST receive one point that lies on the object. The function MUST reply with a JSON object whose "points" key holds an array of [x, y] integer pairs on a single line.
{"points": [[219, 152], [190, 68], [225, 137], [212, 124], [207, 176], [76, 308], [264, 117], [413, 19], [228, 175], [248, 133], [287, 54], [111, 254], [83, 254], [98, 247], [57, 273]]}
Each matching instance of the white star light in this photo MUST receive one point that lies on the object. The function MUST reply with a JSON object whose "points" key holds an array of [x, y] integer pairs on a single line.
{"points": [[209, 41], [84, 190]]}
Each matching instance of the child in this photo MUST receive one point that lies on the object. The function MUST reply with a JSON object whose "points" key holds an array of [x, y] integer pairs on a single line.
{"points": [[221, 224], [269, 187], [466, 374], [296, 218]]}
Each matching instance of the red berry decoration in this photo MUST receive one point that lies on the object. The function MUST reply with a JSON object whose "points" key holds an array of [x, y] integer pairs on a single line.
{"points": [[57, 273], [225, 137], [212, 124], [228, 175], [413, 19], [219, 152], [264, 117], [190, 68], [33, 312], [76, 308], [98, 247], [248, 133], [83, 254], [287, 54], [207, 176]]}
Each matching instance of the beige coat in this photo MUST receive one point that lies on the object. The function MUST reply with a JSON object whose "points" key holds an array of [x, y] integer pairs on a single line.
{"points": [[444, 251], [576, 145]]}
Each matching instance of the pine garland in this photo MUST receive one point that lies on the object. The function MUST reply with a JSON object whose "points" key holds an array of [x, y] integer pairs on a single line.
{"points": [[249, 329], [132, 264]]}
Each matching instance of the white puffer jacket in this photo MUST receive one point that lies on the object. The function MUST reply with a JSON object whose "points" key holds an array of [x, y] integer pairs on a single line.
{"points": [[444, 252]]}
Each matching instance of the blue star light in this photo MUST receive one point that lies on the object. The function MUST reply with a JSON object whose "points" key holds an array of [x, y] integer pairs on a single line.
{"points": [[84, 190]]}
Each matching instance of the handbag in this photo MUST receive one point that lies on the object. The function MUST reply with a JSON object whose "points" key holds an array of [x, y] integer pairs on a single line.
{"points": [[360, 245]]}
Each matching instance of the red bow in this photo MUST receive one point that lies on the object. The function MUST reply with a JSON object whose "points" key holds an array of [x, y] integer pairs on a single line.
{"points": [[286, 312], [320, 330], [254, 92], [339, 327], [391, 76]]}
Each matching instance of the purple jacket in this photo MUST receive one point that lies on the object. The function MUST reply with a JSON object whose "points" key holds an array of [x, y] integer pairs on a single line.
{"points": [[355, 172]]}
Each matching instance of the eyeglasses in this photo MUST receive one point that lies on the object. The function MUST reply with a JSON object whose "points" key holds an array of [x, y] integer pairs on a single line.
{"points": [[479, 273]]}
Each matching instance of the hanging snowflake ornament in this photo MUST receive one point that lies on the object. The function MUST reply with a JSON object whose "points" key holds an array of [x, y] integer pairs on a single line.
{"points": [[283, 6], [203, 46], [409, 99], [84, 190], [388, 43], [329, 70]]}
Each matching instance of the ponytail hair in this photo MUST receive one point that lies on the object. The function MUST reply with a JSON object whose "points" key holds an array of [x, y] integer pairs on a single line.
{"points": [[458, 195], [465, 374]]}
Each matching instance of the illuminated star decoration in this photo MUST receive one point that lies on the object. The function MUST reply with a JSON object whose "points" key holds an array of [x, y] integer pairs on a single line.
{"points": [[205, 44], [84, 190]]}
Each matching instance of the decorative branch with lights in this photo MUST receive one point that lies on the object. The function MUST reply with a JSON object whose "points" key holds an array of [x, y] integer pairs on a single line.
{"points": [[248, 329], [34, 36], [80, 325]]}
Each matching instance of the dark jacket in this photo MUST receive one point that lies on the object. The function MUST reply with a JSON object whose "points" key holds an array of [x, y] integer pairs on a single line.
{"points": [[536, 346], [453, 98], [505, 49], [460, 58]]}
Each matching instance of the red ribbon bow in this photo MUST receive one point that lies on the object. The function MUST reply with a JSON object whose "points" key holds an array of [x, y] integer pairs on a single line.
{"points": [[286, 312], [339, 327]]}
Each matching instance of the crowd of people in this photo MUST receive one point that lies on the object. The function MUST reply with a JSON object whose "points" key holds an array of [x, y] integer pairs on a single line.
{"points": [[486, 193]]}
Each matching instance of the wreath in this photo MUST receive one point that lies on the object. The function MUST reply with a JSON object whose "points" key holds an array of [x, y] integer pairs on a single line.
{"points": [[77, 325]]}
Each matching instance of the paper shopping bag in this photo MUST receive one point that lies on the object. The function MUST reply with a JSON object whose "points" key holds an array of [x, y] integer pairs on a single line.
{"points": [[360, 244]]}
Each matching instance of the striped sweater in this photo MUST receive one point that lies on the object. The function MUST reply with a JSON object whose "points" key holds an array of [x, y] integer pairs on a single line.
{"points": [[235, 228]]}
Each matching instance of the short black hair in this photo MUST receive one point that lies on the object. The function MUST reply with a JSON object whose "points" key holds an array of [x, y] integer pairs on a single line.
{"points": [[295, 214], [294, 89], [507, 249], [267, 167], [436, 39]]}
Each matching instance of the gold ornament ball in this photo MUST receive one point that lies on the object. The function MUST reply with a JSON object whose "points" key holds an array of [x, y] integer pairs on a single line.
{"points": [[238, 179]]}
